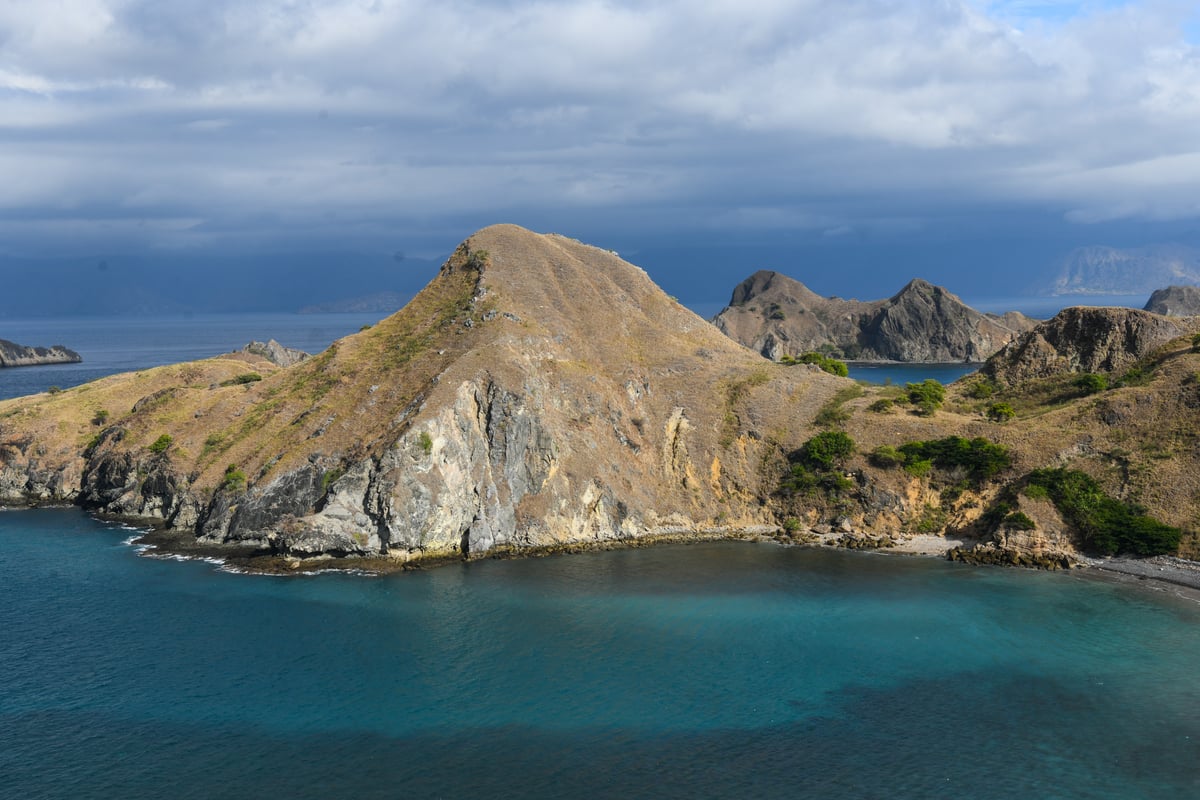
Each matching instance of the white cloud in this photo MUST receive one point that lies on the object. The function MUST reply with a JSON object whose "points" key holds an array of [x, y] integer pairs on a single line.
{"points": [[756, 111]]}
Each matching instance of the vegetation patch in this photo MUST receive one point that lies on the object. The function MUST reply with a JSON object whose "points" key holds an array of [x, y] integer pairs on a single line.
{"points": [[979, 458], [827, 363], [927, 396], [1108, 526], [161, 444], [241, 380], [817, 464], [1000, 412], [234, 480]]}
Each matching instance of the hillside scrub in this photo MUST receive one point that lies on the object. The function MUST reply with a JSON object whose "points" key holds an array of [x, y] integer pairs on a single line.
{"points": [[980, 458], [828, 364], [1108, 525], [927, 396]]}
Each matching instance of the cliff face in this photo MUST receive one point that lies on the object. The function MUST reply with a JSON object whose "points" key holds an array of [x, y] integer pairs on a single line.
{"points": [[538, 391], [1083, 339], [541, 392], [776, 315], [15, 355], [1175, 301]]}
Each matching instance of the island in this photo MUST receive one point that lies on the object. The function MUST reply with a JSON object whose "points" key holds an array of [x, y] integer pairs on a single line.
{"points": [[15, 355], [542, 395]]}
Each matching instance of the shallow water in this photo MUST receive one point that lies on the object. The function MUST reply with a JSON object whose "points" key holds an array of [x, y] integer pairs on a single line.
{"points": [[711, 670]]}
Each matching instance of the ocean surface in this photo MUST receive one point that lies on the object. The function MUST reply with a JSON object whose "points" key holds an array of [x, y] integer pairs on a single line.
{"points": [[110, 345], [900, 374], [704, 671]]}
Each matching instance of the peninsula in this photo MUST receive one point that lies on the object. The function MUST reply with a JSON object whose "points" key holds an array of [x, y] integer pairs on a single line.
{"points": [[543, 394]]}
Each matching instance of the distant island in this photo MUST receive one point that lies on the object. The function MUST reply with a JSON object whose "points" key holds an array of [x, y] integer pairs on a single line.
{"points": [[16, 355], [779, 316]]}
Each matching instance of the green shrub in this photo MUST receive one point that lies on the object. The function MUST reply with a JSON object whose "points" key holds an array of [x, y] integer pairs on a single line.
{"points": [[1035, 491], [330, 478], [919, 468], [980, 458], [982, 389], [53, 390], [827, 449], [1108, 525], [791, 525], [426, 442], [244, 378], [927, 396], [161, 444], [827, 363], [1018, 521], [1090, 383], [886, 456], [100, 417], [1196, 343], [1000, 412], [235, 480], [881, 406]]}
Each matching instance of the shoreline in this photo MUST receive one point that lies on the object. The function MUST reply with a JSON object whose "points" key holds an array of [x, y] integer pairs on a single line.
{"points": [[1164, 572]]}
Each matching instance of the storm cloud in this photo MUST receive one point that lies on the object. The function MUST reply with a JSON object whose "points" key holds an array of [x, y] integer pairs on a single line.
{"points": [[131, 124]]}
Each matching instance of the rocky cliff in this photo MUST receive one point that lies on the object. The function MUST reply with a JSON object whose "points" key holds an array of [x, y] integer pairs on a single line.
{"points": [[1175, 301], [1083, 339], [15, 355], [538, 391], [541, 393], [777, 315]]}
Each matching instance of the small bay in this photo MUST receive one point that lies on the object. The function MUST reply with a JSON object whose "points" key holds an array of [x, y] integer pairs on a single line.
{"points": [[710, 670]]}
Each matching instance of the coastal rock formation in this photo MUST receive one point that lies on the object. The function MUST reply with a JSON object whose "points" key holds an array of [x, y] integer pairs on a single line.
{"points": [[1175, 301], [540, 393], [1083, 339], [15, 355], [777, 315], [276, 353]]}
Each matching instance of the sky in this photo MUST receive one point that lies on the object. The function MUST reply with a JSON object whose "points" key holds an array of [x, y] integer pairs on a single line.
{"points": [[853, 144]]}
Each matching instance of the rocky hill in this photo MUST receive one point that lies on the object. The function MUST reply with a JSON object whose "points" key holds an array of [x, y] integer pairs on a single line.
{"points": [[776, 315], [15, 355], [1083, 339], [1175, 301], [543, 394]]}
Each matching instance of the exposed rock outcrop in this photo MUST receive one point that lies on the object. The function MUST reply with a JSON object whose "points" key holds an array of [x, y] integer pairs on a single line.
{"points": [[1083, 339], [541, 393], [1175, 301], [276, 353], [777, 315], [538, 392], [16, 355]]}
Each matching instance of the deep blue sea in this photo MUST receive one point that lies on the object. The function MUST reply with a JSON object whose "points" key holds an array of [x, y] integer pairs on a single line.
{"points": [[110, 345], [900, 374], [703, 671]]}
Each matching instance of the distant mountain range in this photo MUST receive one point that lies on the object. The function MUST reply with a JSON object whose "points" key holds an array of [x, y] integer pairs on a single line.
{"points": [[1110, 270], [777, 315]]}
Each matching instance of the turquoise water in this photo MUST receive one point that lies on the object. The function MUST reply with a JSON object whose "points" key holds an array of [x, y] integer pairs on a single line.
{"points": [[900, 374], [714, 670]]}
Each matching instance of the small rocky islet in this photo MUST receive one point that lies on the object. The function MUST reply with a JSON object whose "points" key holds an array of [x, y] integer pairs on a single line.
{"points": [[16, 355], [542, 395]]}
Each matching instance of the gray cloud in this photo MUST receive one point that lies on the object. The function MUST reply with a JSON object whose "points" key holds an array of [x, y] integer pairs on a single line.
{"points": [[199, 123]]}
